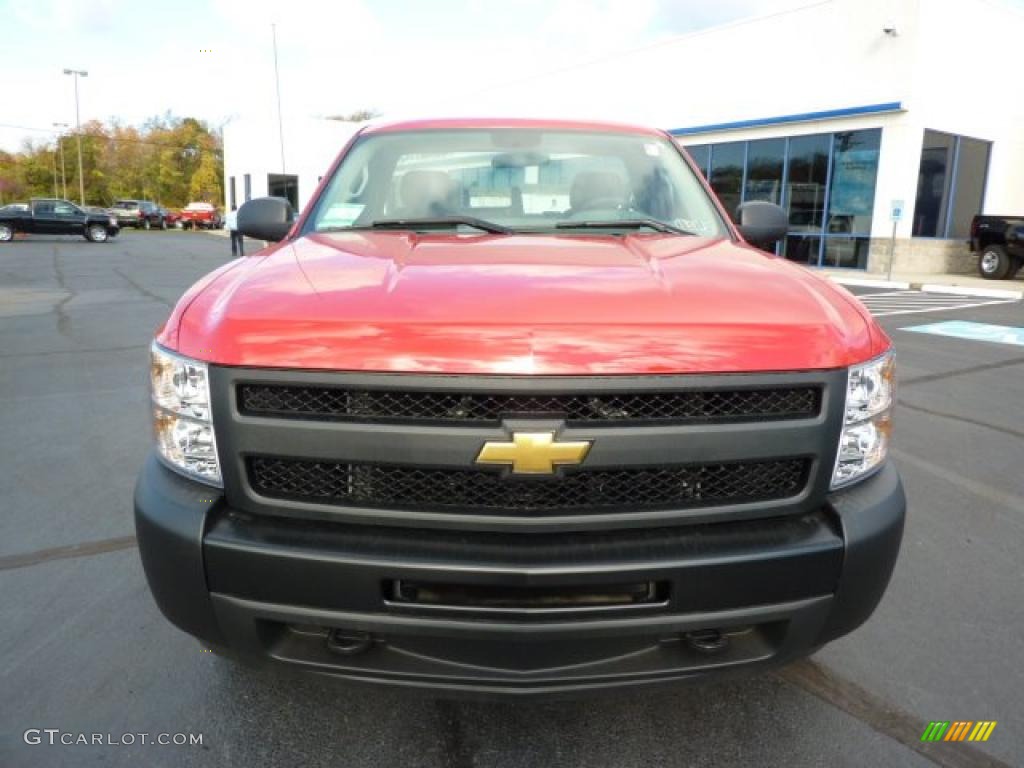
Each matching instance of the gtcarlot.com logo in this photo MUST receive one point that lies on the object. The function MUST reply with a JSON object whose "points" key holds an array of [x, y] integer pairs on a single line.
{"points": [[55, 736], [958, 730]]}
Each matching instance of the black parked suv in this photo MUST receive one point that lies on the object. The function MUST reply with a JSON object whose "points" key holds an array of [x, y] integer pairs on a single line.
{"points": [[141, 214]]}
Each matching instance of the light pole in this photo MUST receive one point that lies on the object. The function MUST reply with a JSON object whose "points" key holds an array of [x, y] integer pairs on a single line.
{"points": [[77, 73], [277, 81], [60, 141]]}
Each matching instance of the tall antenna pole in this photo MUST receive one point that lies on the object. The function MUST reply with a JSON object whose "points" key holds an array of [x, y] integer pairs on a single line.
{"points": [[76, 73], [277, 81]]}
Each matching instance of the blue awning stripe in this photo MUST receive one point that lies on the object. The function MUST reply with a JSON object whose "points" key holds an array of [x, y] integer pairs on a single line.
{"points": [[803, 117]]}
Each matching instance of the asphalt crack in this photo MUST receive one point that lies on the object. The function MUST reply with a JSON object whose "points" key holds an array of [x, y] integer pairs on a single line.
{"points": [[69, 552], [960, 372], [141, 289], [962, 419], [63, 318]]}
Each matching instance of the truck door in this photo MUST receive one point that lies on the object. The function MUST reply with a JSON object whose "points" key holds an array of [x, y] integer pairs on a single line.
{"points": [[70, 219], [44, 218]]}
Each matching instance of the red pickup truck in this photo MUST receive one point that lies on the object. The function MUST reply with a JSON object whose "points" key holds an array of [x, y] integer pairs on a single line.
{"points": [[200, 216], [513, 407]]}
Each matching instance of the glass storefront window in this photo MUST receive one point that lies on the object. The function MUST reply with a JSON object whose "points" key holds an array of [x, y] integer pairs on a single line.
{"points": [[701, 154], [950, 184], [851, 198], [851, 252], [934, 177], [825, 181], [803, 248], [806, 177], [971, 173], [727, 174], [764, 170]]}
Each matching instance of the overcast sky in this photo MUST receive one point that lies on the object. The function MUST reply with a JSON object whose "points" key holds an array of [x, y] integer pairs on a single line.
{"points": [[214, 59]]}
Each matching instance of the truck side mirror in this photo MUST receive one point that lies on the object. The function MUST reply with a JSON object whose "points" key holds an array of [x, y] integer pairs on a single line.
{"points": [[761, 223], [266, 218]]}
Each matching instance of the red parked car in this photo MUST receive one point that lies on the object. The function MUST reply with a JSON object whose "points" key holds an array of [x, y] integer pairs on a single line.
{"points": [[171, 218], [514, 407], [200, 216]]}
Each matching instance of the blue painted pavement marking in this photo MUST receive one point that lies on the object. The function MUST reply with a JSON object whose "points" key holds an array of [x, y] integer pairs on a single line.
{"points": [[961, 329]]}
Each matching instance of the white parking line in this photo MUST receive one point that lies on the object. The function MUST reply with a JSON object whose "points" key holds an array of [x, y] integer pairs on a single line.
{"points": [[918, 302]]}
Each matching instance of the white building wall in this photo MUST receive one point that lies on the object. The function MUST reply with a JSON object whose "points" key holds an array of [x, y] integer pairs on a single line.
{"points": [[252, 146], [966, 78], [950, 65]]}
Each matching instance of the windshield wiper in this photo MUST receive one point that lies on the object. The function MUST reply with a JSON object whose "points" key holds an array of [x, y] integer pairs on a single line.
{"points": [[657, 226], [441, 222]]}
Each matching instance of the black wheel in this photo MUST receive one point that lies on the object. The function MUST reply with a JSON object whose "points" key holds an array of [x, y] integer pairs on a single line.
{"points": [[6, 233], [994, 263], [163, 223], [96, 233], [146, 224]]}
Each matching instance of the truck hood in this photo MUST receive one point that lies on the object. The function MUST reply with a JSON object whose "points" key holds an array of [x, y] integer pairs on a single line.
{"points": [[521, 304]]}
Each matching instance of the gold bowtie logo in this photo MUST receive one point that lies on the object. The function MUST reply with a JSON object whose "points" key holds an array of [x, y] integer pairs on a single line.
{"points": [[533, 453]]}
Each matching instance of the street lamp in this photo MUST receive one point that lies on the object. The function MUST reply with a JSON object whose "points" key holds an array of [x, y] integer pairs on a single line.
{"points": [[60, 141], [77, 73]]}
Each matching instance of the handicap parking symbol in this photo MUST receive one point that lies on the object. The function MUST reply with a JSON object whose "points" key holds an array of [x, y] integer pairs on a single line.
{"points": [[961, 329]]}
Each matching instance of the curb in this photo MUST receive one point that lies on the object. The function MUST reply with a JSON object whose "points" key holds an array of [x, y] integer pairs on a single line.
{"points": [[865, 282], [988, 293], [956, 290]]}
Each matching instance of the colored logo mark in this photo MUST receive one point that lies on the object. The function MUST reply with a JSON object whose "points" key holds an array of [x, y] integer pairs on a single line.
{"points": [[959, 329], [958, 730]]}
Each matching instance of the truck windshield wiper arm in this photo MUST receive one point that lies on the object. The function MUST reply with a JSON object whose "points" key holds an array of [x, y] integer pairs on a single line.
{"points": [[441, 222], [657, 226]]}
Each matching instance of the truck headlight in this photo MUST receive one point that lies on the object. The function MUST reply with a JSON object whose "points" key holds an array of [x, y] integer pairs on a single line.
{"points": [[864, 443], [182, 421]]}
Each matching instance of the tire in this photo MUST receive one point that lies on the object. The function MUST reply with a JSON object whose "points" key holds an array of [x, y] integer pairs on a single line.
{"points": [[6, 233], [994, 263], [96, 233], [146, 224], [163, 223]]}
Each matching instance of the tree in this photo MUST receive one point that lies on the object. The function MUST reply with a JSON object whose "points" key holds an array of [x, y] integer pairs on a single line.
{"points": [[168, 159], [205, 184]]}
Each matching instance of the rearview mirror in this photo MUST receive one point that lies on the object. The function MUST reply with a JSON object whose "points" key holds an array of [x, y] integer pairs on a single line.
{"points": [[761, 223], [266, 218]]}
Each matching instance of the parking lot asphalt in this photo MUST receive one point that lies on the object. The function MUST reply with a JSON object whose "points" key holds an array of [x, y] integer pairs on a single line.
{"points": [[83, 648]]}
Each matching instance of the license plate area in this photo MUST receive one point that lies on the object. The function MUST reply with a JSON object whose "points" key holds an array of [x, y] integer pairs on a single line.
{"points": [[505, 598]]}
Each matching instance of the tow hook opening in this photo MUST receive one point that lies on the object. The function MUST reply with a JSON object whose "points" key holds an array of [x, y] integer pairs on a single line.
{"points": [[348, 642], [707, 640]]}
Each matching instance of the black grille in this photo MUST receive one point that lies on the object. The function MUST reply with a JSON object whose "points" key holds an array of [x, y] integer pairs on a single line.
{"points": [[688, 406], [472, 490]]}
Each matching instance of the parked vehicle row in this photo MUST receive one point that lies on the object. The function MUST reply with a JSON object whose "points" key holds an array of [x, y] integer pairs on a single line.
{"points": [[50, 216], [55, 216]]}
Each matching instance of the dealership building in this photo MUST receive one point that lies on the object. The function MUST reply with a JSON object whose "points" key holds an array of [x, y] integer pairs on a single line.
{"points": [[874, 123]]}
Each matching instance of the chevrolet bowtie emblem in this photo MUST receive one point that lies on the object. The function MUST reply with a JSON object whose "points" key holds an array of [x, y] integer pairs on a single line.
{"points": [[533, 453]]}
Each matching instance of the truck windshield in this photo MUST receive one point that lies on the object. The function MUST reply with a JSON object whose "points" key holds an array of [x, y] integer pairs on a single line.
{"points": [[532, 180]]}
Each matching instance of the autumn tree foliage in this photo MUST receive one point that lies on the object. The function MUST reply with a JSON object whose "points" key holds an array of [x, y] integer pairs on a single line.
{"points": [[170, 160]]}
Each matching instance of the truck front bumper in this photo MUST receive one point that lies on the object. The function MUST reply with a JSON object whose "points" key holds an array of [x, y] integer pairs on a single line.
{"points": [[321, 597]]}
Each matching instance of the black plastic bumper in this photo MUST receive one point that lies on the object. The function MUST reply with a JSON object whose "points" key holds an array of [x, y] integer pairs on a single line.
{"points": [[319, 596]]}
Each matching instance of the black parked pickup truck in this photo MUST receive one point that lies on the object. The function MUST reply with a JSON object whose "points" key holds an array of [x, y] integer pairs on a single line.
{"points": [[999, 243], [55, 217]]}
